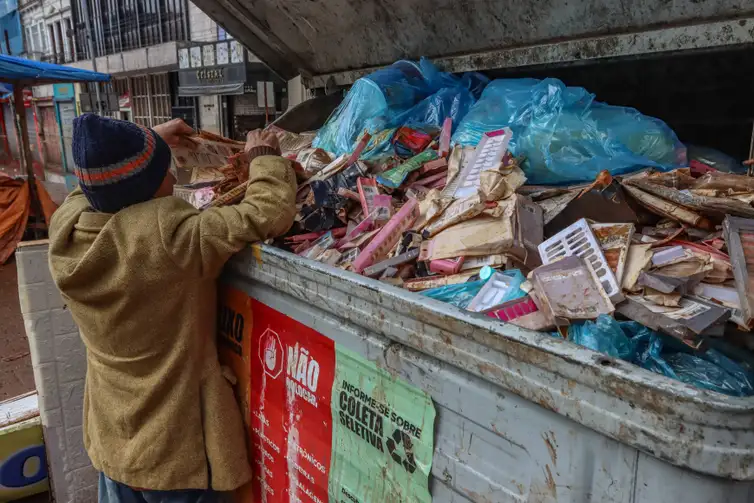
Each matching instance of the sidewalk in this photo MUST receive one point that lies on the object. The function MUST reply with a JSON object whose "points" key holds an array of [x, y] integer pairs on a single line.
{"points": [[15, 363]]}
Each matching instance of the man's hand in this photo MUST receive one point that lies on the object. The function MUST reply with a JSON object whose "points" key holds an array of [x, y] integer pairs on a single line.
{"points": [[259, 138], [176, 133]]}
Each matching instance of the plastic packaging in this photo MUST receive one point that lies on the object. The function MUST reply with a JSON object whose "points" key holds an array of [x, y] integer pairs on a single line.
{"points": [[715, 159], [605, 336], [633, 342], [405, 93], [565, 135], [703, 373], [457, 295], [500, 288], [393, 178]]}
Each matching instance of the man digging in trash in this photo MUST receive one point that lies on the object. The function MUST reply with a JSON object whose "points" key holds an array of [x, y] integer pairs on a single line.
{"points": [[137, 268]]}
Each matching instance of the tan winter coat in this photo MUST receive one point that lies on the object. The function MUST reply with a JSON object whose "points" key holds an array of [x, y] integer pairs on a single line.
{"points": [[140, 284]]}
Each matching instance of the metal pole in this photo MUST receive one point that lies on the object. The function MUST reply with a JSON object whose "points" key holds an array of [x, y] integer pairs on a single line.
{"points": [[158, 5], [149, 101], [185, 16], [138, 25], [85, 7], [266, 112], [117, 22]]}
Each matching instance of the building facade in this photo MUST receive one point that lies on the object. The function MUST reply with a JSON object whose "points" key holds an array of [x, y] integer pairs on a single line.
{"points": [[47, 35], [167, 59], [136, 41], [229, 83]]}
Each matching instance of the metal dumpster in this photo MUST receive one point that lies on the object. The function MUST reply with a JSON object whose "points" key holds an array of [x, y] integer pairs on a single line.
{"points": [[520, 416]]}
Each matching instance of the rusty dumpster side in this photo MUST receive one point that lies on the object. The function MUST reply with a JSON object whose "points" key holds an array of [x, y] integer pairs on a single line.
{"points": [[521, 416]]}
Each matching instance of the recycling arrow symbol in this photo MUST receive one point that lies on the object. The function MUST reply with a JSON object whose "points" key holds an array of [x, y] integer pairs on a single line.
{"points": [[400, 437]]}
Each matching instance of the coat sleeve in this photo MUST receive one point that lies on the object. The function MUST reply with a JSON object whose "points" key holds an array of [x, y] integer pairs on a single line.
{"points": [[201, 242], [66, 216]]}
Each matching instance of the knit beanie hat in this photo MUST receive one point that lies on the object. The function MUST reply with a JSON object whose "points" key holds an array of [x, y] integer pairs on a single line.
{"points": [[118, 163]]}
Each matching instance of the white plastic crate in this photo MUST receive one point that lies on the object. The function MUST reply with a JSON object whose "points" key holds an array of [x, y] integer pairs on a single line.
{"points": [[577, 239]]}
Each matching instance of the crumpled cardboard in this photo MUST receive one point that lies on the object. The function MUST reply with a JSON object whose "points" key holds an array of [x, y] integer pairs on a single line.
{"points": [[553, 206], [482, 235], [668, 209], [687, 322], [312, 161], [500, 183], [457, 212], [433, 204], [693, 264], [672, 299], [292, 143], [418, 284], [210, 151], [516, 233], [706, 205], [725, 182], [458, 159], [639, 259]]}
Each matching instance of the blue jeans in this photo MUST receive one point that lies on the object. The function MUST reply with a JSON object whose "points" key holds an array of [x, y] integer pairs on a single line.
{"points": [[111, 491]]}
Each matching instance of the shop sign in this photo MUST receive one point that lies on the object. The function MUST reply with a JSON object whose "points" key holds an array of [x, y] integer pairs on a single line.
{"points": [[208, 69], [63, 91], [210, 75], [124, 100]]}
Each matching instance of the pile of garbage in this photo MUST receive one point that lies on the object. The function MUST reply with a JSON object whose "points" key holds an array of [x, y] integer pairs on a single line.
{"points": [[528, 202]]}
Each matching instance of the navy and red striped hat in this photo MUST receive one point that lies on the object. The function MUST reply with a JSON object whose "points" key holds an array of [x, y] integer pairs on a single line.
{"points": [[118, 163]]}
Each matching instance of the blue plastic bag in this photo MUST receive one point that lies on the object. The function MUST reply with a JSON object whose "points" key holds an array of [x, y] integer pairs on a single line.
{"points": [[630, 341], [605, 336], [405, 93], [458, 295], [703, 373], [371, 99], [565, 135]]}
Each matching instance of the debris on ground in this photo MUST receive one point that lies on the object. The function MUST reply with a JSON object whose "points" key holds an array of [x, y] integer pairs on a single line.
{"points": [[631, 250]]}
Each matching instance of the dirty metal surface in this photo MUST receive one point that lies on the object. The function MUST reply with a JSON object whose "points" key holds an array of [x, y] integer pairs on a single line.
{"points": [[342, 37], [550, 381], [510, 427]]}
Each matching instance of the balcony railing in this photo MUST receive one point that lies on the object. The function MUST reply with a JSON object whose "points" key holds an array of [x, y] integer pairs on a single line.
{"points": [[118, 25], [59, 59], [35, 55]]}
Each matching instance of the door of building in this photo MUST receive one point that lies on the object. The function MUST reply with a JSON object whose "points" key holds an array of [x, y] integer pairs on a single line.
{"points": [[67, 112], [50, 134]]}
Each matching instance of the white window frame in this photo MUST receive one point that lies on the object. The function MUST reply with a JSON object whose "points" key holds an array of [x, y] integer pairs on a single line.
{"points": [[29, 39]]}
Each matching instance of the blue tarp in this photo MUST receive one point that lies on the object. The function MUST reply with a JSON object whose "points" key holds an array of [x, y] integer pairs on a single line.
{"points": [[29, 72]]}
